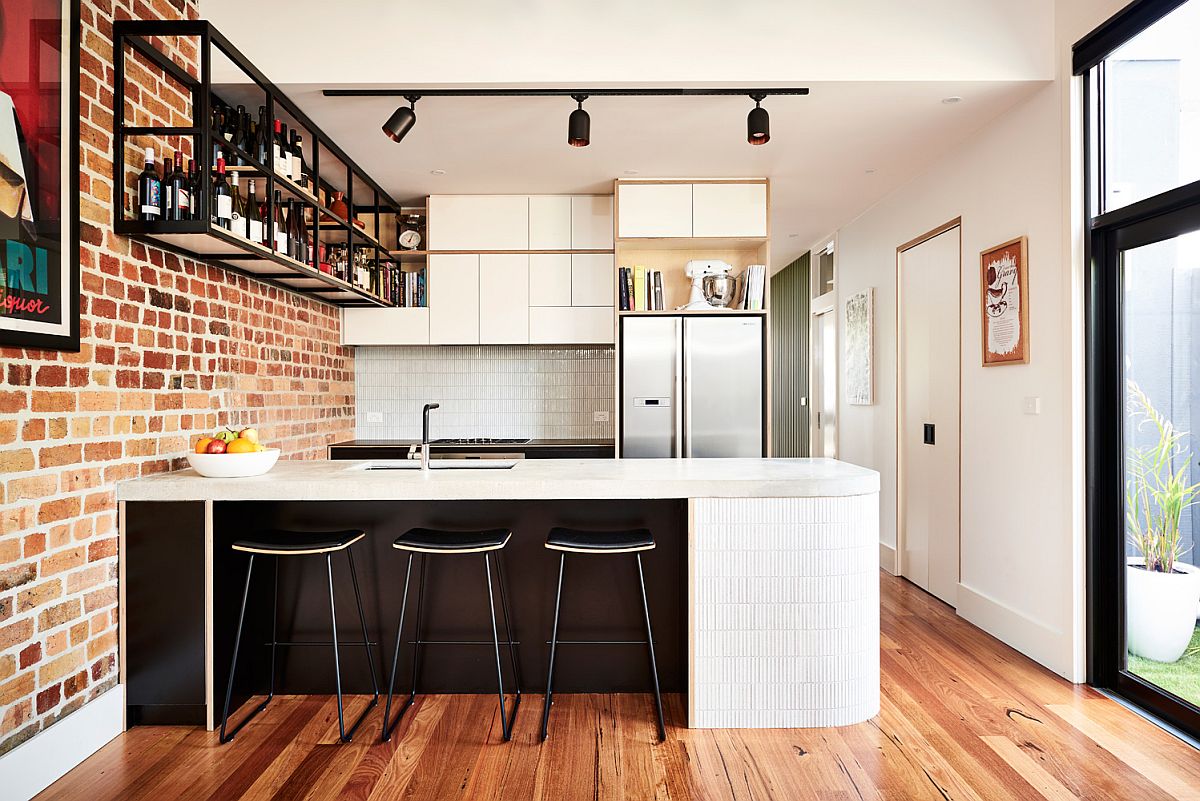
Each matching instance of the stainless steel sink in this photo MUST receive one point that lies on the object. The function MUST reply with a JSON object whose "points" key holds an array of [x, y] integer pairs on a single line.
{"points": [[437, 464]]}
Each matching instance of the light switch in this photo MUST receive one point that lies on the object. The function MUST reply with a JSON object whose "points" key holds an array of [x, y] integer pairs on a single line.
{"points": [[1032, 405], [599, 417], [374, 417]]}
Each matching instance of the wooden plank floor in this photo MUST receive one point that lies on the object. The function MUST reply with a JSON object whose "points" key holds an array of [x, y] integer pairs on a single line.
{"points": [[963, 717]]}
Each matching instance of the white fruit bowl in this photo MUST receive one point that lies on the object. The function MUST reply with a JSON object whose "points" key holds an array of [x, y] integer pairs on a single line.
{"points": [[233, 465]]}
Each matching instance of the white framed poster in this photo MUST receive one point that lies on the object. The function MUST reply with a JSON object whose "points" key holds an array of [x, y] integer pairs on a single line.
{"points": [[860, 333]]}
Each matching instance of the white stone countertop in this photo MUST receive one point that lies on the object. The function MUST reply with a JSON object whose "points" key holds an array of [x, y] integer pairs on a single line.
{"points": [[528, 479]]}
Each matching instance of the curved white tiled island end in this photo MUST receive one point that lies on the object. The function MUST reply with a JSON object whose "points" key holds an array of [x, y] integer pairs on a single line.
{"points": [[776, 612]]}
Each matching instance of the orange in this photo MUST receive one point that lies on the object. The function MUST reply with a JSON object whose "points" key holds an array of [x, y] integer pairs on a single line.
{"points": [[241, 446], [202, 444]]}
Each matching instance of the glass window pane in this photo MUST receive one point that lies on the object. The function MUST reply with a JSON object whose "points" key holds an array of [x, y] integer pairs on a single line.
{"points": [[1152, 110], [1161, 348]]}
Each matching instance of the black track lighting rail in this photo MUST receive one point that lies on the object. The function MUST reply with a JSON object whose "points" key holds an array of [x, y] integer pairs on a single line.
{"points": [[409, 94]]}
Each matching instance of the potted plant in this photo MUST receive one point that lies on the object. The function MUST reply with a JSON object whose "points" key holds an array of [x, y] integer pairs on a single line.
{"points": [[1161, 591]]}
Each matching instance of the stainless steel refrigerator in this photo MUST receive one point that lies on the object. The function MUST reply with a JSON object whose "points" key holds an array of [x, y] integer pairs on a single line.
{"points": [[692, 386]]}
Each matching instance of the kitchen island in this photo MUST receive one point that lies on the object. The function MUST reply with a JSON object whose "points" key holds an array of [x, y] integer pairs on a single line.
{"points": [[763, 588]]}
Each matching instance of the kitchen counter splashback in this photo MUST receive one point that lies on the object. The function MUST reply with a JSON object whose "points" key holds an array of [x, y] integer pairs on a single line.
{"points": [[484, 391]]}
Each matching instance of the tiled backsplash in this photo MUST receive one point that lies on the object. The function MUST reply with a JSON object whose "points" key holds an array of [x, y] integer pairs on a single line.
{"points": [[484, 391]]}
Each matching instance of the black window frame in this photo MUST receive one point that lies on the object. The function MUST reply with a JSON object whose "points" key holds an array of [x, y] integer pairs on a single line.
{"points": [[1107, 234]]}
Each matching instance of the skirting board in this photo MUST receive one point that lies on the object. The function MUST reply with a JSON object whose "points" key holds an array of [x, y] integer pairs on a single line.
{"points": [[36, 764], [1041, 643], [887, 558]]}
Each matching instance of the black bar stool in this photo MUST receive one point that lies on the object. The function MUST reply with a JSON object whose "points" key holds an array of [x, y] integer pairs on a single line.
{"points": [[567, 540], [425, 541], [279, 543]]}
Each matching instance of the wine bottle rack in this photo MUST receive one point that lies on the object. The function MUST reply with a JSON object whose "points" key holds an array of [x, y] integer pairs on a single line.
{"points": [[200, 238]]}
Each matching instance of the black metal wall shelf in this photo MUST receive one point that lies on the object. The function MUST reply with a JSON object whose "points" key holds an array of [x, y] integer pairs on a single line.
{"points": [[329, 167]]}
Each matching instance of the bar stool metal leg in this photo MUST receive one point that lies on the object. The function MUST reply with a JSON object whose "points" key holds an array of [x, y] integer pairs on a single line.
{"points": [[388, 725], [362, 621], [237, 642], [418, 636], [337, 668], [274, 626], [505, 722], [562, 561], [662, 731], [512, 646]]}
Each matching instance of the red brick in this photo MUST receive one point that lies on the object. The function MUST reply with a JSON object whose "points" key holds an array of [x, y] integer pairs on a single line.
{"points": [[60, 455], [48, 698], [31, 655], [16, 632]]}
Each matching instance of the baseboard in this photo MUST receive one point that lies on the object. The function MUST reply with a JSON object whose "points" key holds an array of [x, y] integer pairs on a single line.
{"points": [[887, 558], [1041, 643], [39, 762]]}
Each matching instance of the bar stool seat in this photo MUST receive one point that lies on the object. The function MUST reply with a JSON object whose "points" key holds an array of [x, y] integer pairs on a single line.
{"points": [[280, 542], [578, 541], [428, 540]]}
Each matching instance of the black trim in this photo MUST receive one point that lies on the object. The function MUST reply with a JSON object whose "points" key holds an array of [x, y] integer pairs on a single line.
{"points": [[1172, 200], [69, 149], [1128, 23]]}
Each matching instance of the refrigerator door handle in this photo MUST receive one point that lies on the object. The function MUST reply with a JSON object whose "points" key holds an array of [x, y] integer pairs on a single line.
{"points": [[687, 389]]}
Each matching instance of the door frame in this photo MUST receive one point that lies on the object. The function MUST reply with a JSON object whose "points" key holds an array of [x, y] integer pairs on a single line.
{"points": [[816, 383], [900, 533]]}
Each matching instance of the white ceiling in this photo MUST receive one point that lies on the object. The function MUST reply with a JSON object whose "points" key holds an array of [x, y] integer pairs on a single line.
{"points": [[878, 71]]}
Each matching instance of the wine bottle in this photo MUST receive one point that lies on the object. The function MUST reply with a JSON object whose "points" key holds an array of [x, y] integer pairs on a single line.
{"points": [[167, 197], [299, 169], [277, 149], [254, 226], [149, 191], [239, 132], [281, 237], [222, 198], [262, 144], [195, 192], [182, 189], [237, 221]]}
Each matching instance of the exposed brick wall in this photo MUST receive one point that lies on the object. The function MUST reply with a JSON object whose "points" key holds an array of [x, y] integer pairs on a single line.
{"points": [[170, 348]]}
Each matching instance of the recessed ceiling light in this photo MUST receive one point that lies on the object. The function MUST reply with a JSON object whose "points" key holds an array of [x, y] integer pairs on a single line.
{"points": [[631, 172], [951, 100], [437, 172], [793, 236], [870, 170]]}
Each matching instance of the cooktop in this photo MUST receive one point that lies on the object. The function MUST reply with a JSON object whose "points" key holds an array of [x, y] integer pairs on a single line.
{"points": [[482, 441]]}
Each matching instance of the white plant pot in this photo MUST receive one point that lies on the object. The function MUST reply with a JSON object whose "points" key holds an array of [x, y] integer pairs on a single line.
{"points": [[1160, 610]]}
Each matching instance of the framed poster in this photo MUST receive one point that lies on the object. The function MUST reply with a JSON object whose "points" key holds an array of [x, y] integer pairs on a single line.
{"points": [[39, 174], [860, 325], [1005, 303]]}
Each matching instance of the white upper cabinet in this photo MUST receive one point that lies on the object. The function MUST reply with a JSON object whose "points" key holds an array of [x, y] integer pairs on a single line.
{"points": [[571, 325], [504, 298], [478, 222], [592, 222], [593, 278], [654, 210], [454, 299], [729, 209], [550, 279], [550, 222], [408, 326]]}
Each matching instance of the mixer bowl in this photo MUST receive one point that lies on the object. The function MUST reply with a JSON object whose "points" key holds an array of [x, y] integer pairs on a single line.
{"points": [[719, 290]]}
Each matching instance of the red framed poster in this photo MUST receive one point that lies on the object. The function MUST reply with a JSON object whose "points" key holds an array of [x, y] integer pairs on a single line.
{"points": [[39, 174]]}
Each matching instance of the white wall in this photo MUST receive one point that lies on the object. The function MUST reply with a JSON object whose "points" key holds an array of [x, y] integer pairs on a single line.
{"points": [[1022, 536]]}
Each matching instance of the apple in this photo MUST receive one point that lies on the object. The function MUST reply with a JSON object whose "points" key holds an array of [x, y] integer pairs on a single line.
{"points": [[225, 435], [216, 446], [250, 434]]}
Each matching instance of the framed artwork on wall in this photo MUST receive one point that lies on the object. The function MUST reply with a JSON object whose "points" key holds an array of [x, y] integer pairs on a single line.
{"points": [[860, 332], [1004, 301], [39, 174]]}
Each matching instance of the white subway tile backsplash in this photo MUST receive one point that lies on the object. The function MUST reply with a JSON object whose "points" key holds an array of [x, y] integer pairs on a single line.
{"points": [[485, 391]]}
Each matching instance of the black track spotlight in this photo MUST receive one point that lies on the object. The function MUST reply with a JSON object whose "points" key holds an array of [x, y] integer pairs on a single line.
{"points": [[402, 119], [579, 126], [758, 123]]}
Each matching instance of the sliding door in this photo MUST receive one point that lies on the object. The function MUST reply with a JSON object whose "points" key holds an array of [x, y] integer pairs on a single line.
{"points": [[1143, 98]]}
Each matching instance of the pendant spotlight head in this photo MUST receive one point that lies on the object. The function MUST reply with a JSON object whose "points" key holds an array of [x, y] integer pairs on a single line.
{"points": [[758, 123], [579, 126], [402, 119]]}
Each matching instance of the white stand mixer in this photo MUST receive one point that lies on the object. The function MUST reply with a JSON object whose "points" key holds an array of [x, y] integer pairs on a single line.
{"points": [[712, 284]]}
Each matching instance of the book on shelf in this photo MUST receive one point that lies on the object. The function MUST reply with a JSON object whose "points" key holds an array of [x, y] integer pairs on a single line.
{"points": [[622, 289], [658, 290], [639, 288], [753, 286]]}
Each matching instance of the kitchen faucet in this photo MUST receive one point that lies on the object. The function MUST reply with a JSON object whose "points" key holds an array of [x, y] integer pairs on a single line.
{"points": [[425, 433]]}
